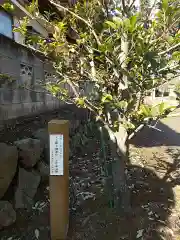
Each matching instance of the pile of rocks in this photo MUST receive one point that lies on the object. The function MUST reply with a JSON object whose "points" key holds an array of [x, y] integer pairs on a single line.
{"points": [[27, 161]]}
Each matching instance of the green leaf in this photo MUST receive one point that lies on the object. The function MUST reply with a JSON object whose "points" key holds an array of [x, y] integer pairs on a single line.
{"points": [[161, 109], [111, 24], [122, 104], [118, 22], [165, 4], [145, 110], [106, 98], [116, 124], [8, 7], [133, 21], [128, 125], [80, 102], [127, 23], [176, 55]]}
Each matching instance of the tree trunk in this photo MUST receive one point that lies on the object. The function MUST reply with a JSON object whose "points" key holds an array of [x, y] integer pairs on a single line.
{"points": [[118, 149]]}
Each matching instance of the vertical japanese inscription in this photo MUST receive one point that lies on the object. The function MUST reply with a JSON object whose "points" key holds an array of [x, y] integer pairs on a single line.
{"points": [[56, 154]]}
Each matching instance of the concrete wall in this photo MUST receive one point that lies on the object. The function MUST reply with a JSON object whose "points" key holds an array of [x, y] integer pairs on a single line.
{"points": [[24, 67], [154, 101], [169, 88]]}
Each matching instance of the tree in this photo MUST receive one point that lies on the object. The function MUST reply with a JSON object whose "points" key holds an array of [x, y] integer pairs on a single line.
{"points": [[113, 50]]}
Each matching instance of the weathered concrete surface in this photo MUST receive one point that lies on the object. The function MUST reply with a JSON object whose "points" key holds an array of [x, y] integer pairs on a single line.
{"points": [[25, 68]]}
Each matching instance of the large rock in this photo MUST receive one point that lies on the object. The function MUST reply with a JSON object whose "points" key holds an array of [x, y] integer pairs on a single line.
{"points": [[43, 135], [8, 165], [30, 151], [7, 214], [28, 183], [43, 169]]}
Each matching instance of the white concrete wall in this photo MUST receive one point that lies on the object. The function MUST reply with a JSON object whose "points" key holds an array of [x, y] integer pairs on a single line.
{"points": [[24, 67]]}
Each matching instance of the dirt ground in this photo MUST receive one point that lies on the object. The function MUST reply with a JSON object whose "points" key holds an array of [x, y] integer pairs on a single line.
{"points": [[153, 180]]}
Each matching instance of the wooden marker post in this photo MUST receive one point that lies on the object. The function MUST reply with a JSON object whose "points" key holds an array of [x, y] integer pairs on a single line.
{"points": [[59, 178]]}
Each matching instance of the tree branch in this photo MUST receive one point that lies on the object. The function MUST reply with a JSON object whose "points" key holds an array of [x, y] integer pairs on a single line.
{"points": [[80, 18], [132, 4], [168, 68], [169, 49]]}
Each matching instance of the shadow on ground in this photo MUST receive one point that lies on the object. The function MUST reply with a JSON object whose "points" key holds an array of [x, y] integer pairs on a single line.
{"points": [[152, 203], [169, 134], [151, 200], [164, 146]]}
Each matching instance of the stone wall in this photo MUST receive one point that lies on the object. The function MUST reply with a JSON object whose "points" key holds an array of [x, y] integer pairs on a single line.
{"points": [[24, 67]]}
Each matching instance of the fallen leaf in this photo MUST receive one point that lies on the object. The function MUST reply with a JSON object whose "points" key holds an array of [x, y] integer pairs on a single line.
{"points": [[139, 233], [150, 213], [36, 232]]}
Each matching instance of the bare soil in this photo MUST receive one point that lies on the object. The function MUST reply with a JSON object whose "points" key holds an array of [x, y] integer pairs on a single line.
{"points": [[153, 181]]}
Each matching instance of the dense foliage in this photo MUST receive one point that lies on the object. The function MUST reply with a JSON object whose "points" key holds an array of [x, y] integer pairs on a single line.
{"points": [[116, 51]]}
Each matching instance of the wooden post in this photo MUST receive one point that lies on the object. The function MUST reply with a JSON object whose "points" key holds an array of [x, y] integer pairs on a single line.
{"points": [[59, 178]]}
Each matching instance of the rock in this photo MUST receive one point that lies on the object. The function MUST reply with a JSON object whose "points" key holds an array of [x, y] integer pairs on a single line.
{"points": [[8, 165], [28, 183], [43, 169], [43, 135], [30, 151], [7, 214]]}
